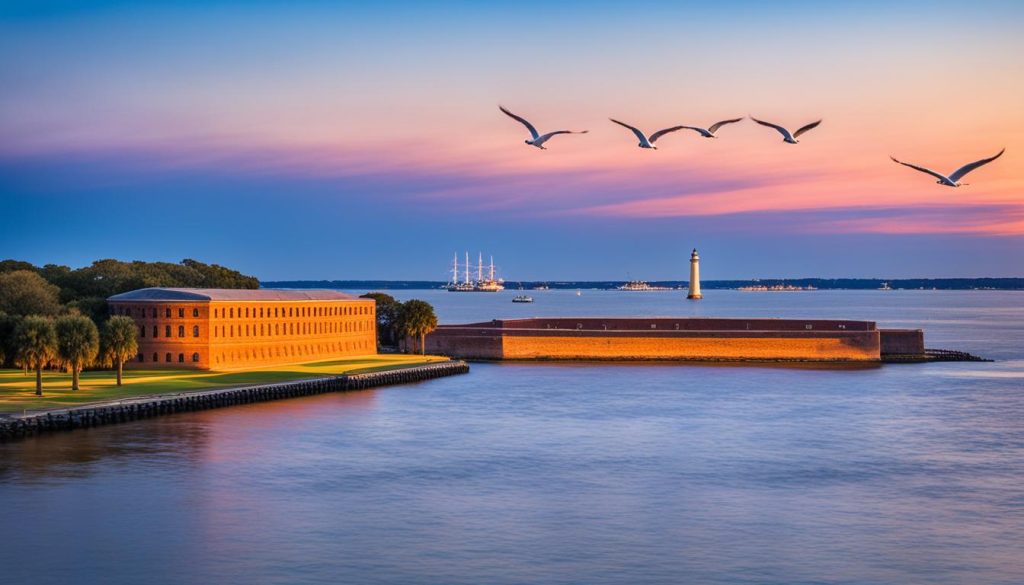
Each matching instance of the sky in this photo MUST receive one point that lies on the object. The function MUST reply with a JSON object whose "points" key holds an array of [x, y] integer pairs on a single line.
{"points": [[334, 140]]}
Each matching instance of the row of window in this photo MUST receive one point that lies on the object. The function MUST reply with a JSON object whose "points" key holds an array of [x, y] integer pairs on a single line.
{"points": [[141, 312], [252, 312], [308, 351], [167, 331], [230, 312], [265, 330], [168, 357], [279, 352], [316, 328]]}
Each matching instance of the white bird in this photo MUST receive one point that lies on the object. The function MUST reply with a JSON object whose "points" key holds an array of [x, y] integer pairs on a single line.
{"points": [[645, 141], [710, 131], [953, 180], [537, 139], [786, 135]]}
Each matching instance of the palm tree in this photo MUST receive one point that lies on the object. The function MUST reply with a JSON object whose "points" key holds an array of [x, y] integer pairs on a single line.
{"points": [[418, 319], [78, 343], [120, 342], [35, 340]]}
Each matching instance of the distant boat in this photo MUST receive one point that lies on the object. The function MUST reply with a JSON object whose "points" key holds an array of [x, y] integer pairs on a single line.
{"points": [[522, 299], [542, 287], [885, 286], [579, 292], [640, 286], [777, 288]]}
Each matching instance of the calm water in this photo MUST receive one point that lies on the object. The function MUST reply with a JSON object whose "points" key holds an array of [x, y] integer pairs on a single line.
{"points": [[565, 473]]}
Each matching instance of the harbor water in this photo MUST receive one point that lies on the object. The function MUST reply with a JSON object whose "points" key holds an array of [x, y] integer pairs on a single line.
{"points": [[566, 473]]}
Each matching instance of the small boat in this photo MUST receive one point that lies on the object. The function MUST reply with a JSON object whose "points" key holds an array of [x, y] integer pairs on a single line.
{"points": [[579, 292], [522, 299]]}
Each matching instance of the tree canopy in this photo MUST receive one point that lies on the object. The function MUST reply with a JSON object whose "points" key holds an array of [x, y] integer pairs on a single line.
{"points": [[24, 292], [36, 341], [418, 319], [120, 342], [78, 343], [87, 288], [389, 311]]}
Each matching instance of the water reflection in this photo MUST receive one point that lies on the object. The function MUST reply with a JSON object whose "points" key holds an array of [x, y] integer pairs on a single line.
{"points": [[171, 441]]}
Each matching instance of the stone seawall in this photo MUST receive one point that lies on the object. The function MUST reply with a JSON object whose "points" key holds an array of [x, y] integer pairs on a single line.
{"points": [[20, 426]]}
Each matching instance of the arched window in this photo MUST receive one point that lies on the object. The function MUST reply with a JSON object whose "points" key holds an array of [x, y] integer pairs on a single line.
{"points": [[153, 313], [156, 358], [247, 312], [181, 331], [195, 331], [167, 330], [195, 312], [195, 357], [181, 312], [167, 312], [181, 358], [232, 312], [167, 358], [142, 331], [155, 330]]}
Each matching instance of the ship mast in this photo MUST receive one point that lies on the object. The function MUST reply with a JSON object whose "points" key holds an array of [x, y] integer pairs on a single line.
{"points": [[467, 267], [491, 278], [480, 267], [455, 269]]}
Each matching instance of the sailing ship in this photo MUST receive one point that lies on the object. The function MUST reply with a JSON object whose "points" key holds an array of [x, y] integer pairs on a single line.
{"points": [[481, 284]]}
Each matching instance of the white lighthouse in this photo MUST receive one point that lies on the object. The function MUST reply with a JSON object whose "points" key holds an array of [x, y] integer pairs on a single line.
{"points": [[694, 277]]}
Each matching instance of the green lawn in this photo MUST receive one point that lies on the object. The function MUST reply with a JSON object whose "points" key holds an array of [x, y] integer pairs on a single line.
{"points": [[17, 391]]}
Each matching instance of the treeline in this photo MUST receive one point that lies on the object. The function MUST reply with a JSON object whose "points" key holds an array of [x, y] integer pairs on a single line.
{"points": [[52, 289], [54, 316]]}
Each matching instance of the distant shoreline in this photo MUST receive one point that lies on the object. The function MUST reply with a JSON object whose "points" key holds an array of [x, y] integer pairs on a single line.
{"points": [[1002, 284]]}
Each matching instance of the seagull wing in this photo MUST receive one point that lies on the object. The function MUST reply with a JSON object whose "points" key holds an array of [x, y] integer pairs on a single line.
{"points": [[957, 174], [714, 127], [701, 131], [810, 126], [938, 176], [638, 133], [539, 141], [665, 131], [785, 133], [521, 120]]}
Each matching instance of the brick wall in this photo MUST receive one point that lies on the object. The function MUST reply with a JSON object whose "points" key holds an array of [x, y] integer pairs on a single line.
{"points": [[694, 339]]}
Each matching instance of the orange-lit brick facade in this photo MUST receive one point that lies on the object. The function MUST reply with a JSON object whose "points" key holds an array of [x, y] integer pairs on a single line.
{"points": [[221, 329]]}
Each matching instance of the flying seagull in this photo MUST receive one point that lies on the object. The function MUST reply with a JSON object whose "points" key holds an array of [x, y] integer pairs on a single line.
{"points": [[710, 131], [537, 139], [786, 136], [645, 141], [953, 180]]}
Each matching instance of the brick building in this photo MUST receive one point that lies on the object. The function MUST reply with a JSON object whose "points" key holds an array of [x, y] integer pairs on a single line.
{"points": [[226, 329]]}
